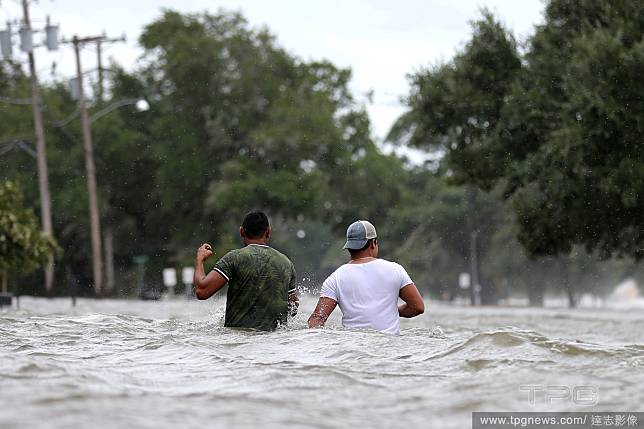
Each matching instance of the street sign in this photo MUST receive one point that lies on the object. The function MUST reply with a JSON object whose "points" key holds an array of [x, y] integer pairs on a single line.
{"points": [[169, 277], [464, 280], [187, 274], [140, 259]]}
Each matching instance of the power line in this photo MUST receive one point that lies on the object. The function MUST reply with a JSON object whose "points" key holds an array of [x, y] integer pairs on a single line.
{"points": [[18, 143], [18, 101]]}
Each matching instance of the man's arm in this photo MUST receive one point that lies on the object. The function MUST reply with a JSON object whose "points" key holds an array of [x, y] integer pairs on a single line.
{"points": [[206, 285], [414, 304], [322, 312]]}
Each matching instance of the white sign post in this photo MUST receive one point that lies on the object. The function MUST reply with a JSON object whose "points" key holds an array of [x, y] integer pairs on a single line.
{"points": [[170, 279], [464, 280], [187, 274]]}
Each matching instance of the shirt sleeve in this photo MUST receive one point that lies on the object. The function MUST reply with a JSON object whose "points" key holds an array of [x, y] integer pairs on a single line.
{"points": [[226, 265], [329, 289], [404, 277], [292, 287]]}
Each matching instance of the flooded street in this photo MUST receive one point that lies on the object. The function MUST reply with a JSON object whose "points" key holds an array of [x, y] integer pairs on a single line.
{"points": [[115, 363]]}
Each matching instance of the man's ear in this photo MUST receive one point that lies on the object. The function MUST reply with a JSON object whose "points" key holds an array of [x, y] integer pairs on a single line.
{"points": [[374, 247], [268, 232], [242, 233]]}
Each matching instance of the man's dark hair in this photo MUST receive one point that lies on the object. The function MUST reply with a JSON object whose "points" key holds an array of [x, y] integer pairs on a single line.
{"points": [[354, 251], [255, 224]]}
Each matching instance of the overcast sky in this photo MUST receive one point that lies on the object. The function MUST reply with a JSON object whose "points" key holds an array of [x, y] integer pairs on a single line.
{"points": [[380, 40]]}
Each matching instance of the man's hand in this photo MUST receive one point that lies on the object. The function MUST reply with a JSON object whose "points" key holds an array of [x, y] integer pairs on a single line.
{"points": [[293, 304], [204, 252], [206, 285]]}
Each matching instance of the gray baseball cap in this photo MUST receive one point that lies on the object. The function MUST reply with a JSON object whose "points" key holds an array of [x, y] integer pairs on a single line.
{"points": [[358, 233]]}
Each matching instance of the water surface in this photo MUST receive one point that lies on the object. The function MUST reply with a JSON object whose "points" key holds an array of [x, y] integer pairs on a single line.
{"points": [[118, 364]]}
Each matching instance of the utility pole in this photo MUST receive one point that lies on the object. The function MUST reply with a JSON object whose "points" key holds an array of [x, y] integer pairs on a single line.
{"points": [[109, 232], [43, 175], [99, 54], [94, 214], [100, 41], [475, 286], [474, 267], [94, 217]]}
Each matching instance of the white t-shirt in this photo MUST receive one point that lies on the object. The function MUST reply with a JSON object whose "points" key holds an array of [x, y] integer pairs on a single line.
{"points": [[368, 294]]}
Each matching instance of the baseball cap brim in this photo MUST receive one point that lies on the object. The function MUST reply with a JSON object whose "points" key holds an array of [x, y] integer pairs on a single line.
{"points": [[355, 244]]}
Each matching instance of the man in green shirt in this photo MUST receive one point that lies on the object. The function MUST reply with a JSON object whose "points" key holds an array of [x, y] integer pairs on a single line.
{"points": [[261, 280]]}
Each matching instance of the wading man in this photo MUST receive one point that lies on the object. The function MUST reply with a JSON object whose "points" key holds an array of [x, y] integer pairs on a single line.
{"points": [[367, 288], [261, 280]]}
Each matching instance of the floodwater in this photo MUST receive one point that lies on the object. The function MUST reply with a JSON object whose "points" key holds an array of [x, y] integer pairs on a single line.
{"points": [[172, 364]]}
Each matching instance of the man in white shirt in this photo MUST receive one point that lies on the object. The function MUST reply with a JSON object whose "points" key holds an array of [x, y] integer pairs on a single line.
{"points": [[367, 288]]}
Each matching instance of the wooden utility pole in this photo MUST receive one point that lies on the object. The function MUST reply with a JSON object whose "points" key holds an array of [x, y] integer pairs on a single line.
{"points": [[100, 41], [475, 286], [94, 213], [94, 216], [109, 232], [99, 54], [43, 175], [474, 267]]}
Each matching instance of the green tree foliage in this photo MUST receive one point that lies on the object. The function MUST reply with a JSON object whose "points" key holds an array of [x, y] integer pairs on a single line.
{"points": [[573, 126], [16, 133], [455, 106], [432, 231], [23, 246], [242, 124], [235, 123], [453, 109], [555, 131]]}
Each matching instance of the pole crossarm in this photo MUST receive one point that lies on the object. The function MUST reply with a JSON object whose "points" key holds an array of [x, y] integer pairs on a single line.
{"points": [[92, 39]]}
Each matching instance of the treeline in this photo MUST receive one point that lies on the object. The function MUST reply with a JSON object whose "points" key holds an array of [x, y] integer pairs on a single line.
{"points": [[237, 123], [554, 129]]}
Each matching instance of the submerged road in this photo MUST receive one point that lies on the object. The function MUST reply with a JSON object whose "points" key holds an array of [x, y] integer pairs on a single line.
{"points": [[172, 364]]}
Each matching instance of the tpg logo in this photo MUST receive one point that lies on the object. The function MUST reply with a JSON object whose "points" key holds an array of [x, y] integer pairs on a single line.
{"points": [[580, 395]]}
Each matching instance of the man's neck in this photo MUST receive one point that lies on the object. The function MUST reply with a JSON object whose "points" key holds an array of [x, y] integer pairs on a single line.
{"points": [[259, 242], [361, 256]]}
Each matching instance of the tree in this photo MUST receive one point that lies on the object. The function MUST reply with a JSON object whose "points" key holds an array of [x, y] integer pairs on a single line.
{"points": [[241, 125], [568, 146], [23, 246], [244, 124], [453, 108], [431, 232], [16, 131]]}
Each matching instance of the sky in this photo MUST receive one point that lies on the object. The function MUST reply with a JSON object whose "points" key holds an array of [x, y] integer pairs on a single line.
{"points": [[382, 41]]}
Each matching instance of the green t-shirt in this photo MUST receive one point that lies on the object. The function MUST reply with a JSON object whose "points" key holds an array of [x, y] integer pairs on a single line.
{"points": [[259, 281]]}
